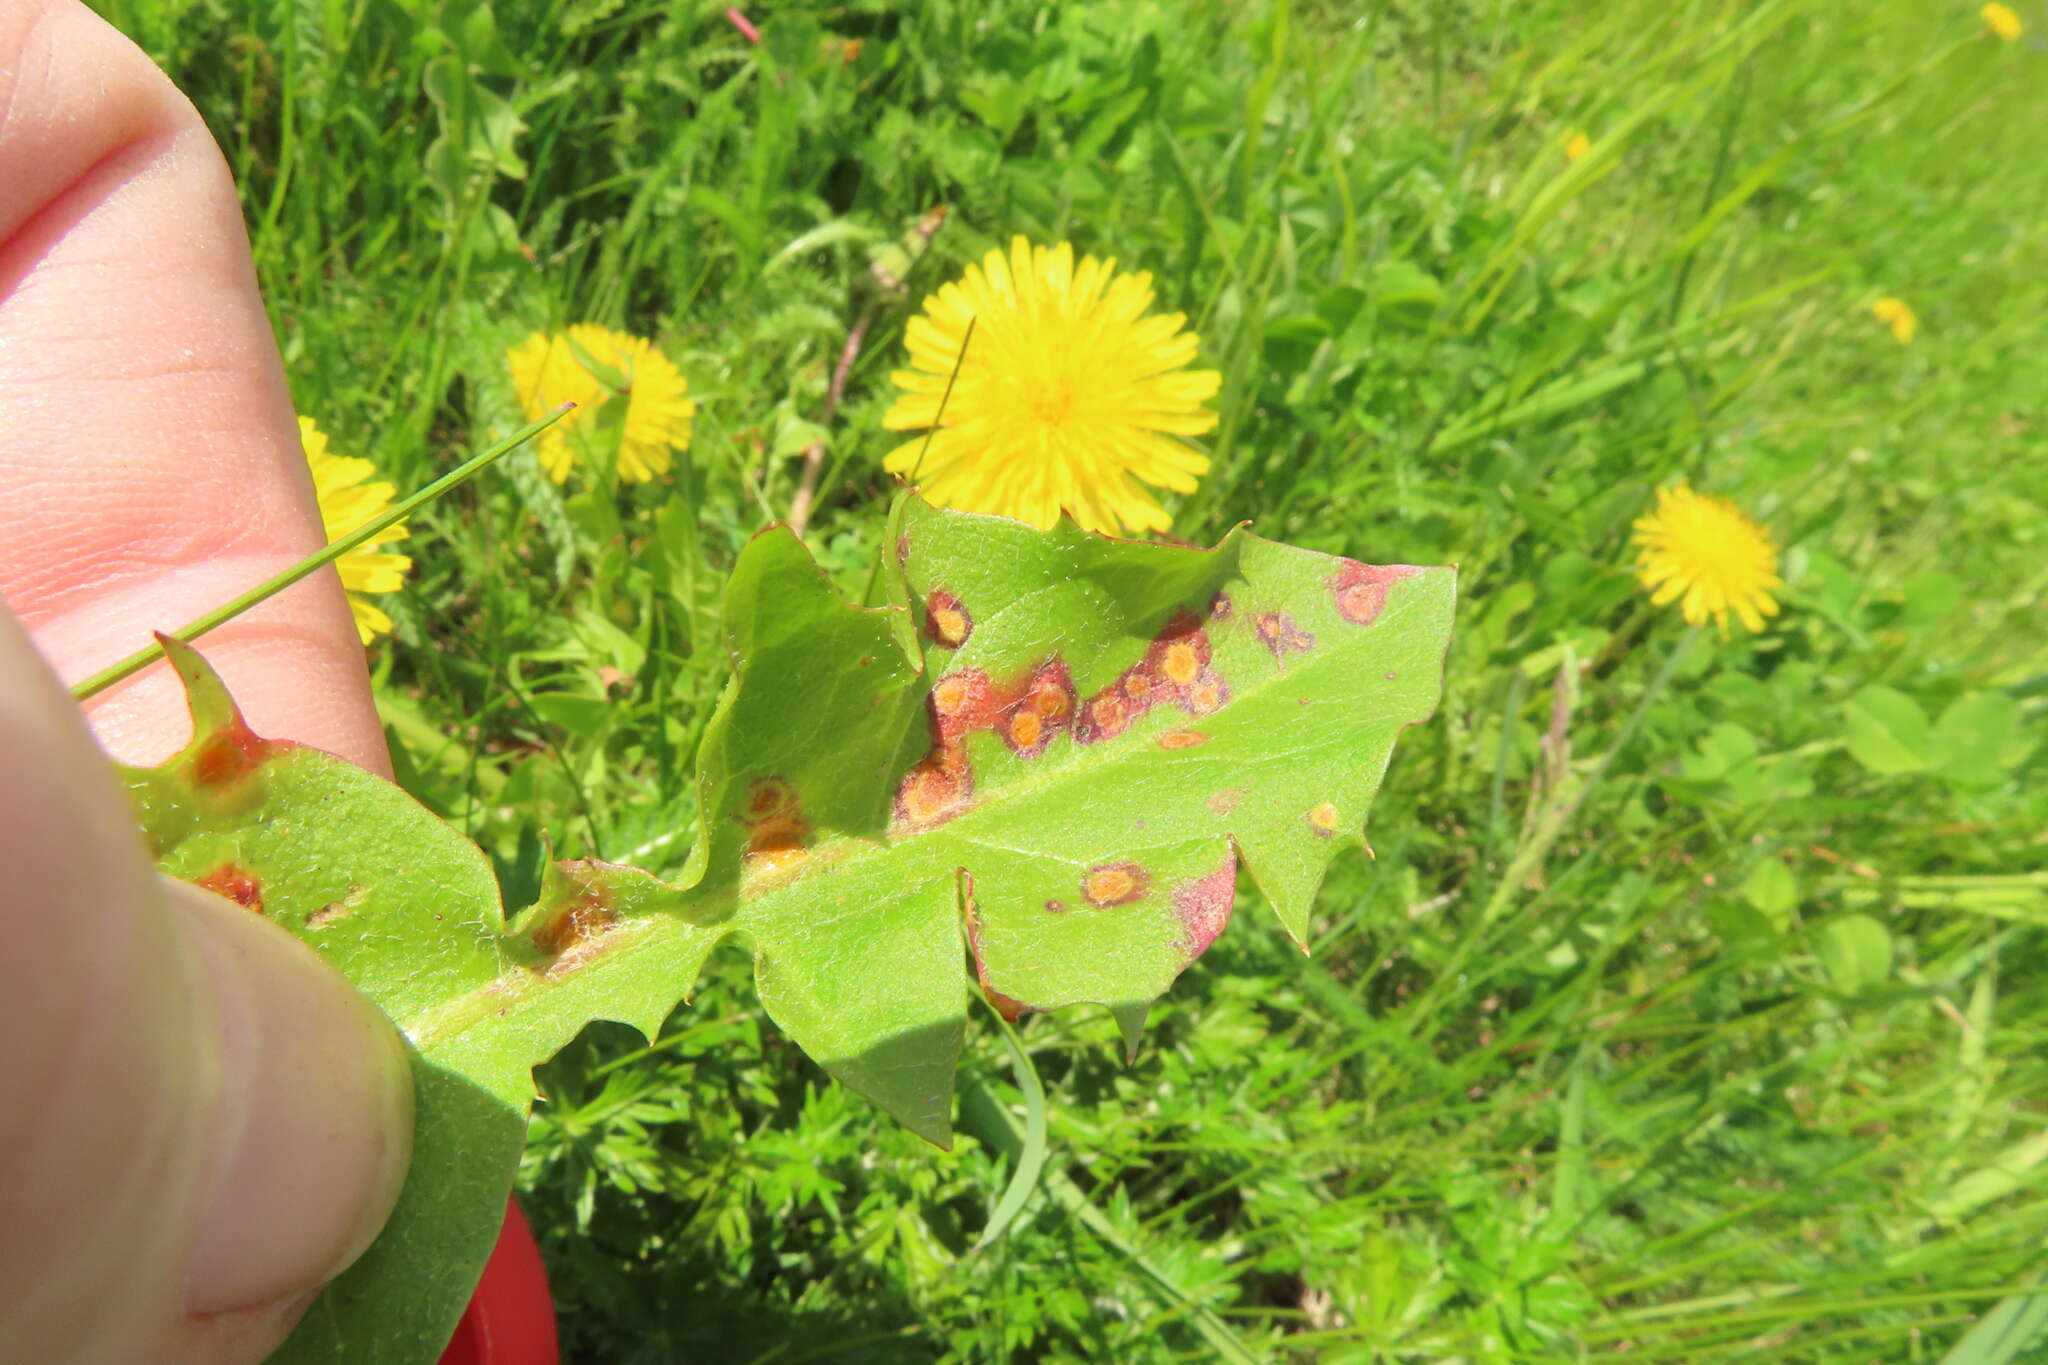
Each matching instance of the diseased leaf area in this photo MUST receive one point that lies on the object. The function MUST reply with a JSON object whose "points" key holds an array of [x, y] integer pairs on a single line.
{"points": [[1039, 771]]}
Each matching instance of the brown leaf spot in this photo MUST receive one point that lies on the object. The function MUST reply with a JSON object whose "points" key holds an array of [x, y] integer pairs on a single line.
{"points": [[1057, 907], [237, 883], [1361, 589], [961, 702], [1203, 906], [1219, 607], [1182, 739], [946, 619], [1323, 819], [1224, 802], [1108, 884]]}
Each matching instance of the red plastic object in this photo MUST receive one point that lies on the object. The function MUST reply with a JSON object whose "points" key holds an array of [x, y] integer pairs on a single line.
{"points": [[511, 1317]]}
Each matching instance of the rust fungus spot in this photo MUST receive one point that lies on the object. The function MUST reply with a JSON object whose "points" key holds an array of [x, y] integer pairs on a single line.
{"points": [[1280, 635], [1025, 731], [1324, 819], [1181, 652], [1108, 884], [237, 883], [1224, 802], [933, 792], [961, 702], [1105, 717], [1140, 689], [1182, 739], [234, 752], [331, 912], [767, 797], [574, 924], [1056, 906], [1205, 694], [1041, 710], [1219, 607], [777, 842], [1203, 906], [946, 619], [1361, 589]]}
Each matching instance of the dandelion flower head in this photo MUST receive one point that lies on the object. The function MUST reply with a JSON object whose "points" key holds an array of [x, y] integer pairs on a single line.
{"points": [[346, 502], [1707, 555], [2002, 21], [548, 371], [1070, 396], [1898, 315], [1577, 145]]}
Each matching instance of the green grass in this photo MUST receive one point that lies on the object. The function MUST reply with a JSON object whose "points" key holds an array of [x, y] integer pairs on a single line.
{"points": [[1715, 1030]]}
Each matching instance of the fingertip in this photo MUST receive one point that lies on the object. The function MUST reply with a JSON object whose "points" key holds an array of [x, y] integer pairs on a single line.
{"points": [[314, 1130]]}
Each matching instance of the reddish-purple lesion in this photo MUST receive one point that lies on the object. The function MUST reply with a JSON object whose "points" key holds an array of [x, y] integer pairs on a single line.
{"points": [[1281, 637], [1203, 906], [1361, 590], [1010, 1008]]}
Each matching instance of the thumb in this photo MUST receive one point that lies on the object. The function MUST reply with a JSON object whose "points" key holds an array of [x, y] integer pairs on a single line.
{"points": [[204, 1121]]}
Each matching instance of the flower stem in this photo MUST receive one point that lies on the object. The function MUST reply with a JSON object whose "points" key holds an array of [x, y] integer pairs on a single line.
{"points": [[397, 512]]}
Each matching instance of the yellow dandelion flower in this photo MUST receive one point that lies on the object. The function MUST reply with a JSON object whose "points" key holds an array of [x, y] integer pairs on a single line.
{"points": [[2002, 21], [1577, 145], [1070, 397], [547, 371], [1707, 552], [1898, 315], [346, 502]]}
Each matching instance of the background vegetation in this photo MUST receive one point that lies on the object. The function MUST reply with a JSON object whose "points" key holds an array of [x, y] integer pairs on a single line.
{"points": [[1694, 1007]]}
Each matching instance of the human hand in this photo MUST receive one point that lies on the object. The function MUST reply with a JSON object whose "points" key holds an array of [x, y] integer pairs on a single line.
{"points": [[203, 1121]]}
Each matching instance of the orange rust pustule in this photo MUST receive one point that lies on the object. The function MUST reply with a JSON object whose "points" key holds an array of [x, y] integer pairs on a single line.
{"points": [[1324, 819], [235, 882], [234, 753], [1203, 906], [961, 702], [1361, 589], [1042, 710], [947, 622], [1105, 716], [1181, 739], [1107, 884], [937, 788], [572, 925]]}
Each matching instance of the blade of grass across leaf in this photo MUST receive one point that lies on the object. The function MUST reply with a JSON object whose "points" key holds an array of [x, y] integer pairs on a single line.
{"points": [[1029, 1162]]}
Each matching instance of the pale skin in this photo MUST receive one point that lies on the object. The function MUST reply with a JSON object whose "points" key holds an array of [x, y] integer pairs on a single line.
{"points": [[202, 1123]]}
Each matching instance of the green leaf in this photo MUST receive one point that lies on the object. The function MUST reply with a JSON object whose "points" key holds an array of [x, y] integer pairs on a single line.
{"points": [[1857, 952], [1050, 757], [1980, 737], [1888, 732]]}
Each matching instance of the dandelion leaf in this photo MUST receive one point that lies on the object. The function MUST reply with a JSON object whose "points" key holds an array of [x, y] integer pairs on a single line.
{"points": [[1038, 773]]}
